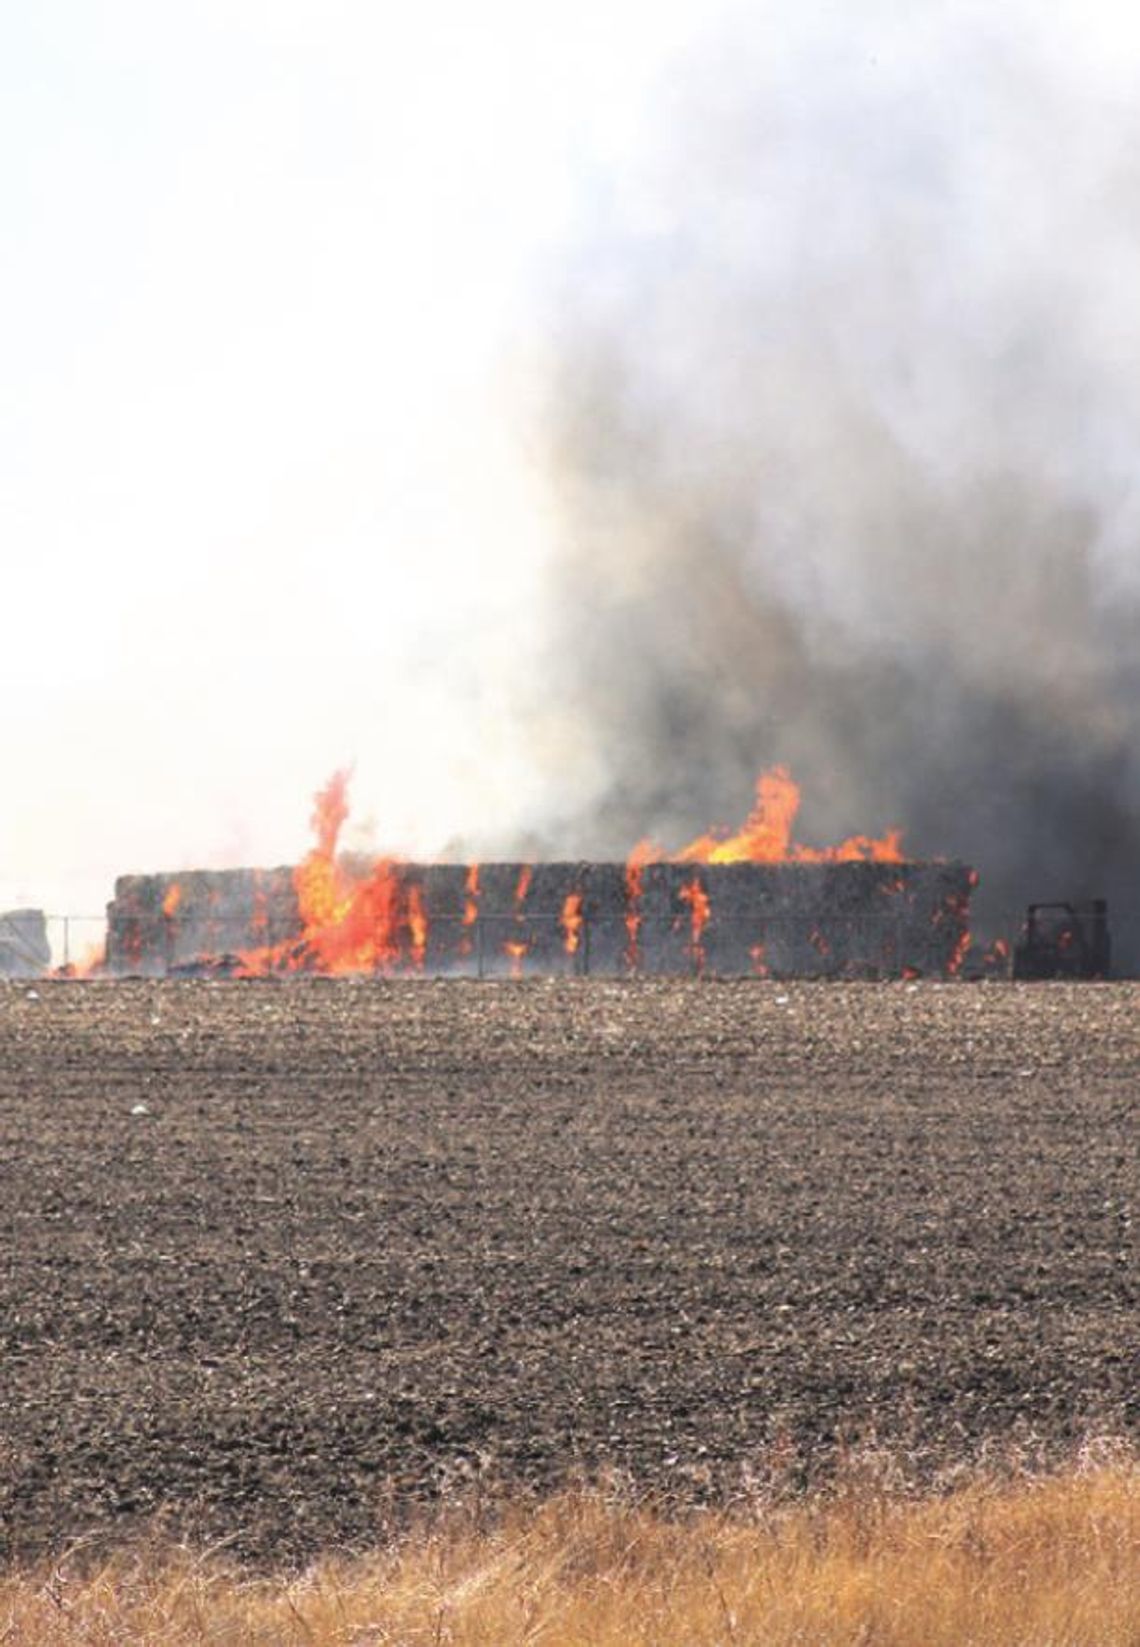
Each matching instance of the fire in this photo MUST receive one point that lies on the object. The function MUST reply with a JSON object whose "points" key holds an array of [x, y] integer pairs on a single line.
{"points": [[516, 949], [959, 909], [325, 900], [633, 894], [417, 926], [697, 899], [572, 922], [470, 910], [956, 910], [471, 900], [351, 928], [350, 922], [88, 964], [374, 918], [766, 836], [645, 852]]}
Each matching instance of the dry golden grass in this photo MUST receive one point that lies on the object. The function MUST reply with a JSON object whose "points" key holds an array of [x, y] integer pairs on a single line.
{"points": [[1043, 1562]]}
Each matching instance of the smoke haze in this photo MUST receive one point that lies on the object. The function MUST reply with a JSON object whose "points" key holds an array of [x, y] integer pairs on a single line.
{"points": [[844, 425]]}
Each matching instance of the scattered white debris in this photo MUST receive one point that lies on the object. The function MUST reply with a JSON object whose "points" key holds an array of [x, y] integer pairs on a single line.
{"points": [[155, 1019], [782, 1000], [32, 995], [140, 1109], [911, 988]]}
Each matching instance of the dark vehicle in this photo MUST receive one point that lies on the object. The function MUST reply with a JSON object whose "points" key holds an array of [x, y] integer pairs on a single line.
{"points": [[1064, 941]]}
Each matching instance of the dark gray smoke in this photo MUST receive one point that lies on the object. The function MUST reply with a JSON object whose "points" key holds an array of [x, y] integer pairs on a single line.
{"points": [[847, 443]]}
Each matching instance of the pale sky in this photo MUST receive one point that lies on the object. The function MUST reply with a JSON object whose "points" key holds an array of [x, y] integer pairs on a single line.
{"points": [[277, 284], [273, 279]]}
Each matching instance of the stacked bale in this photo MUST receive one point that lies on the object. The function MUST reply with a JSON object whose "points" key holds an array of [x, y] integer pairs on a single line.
{"points": [[843, 920], [24, 948], [164, 923]]}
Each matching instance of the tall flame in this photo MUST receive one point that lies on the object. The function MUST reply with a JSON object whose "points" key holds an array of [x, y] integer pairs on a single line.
{"points": [[349, 923]]}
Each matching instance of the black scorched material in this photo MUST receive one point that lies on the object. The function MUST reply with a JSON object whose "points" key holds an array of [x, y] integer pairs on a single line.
{"points": [[786, 920]]}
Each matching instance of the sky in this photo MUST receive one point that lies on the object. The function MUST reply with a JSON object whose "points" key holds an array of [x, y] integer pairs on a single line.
{"points": [[273, 278], [284, 287]]}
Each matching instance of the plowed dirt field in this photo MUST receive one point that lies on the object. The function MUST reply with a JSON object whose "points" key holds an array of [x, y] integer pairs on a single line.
{"points": [[279, 1260]]}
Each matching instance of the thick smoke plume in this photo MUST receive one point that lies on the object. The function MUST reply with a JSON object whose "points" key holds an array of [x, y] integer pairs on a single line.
{"points": [[846, 430]]}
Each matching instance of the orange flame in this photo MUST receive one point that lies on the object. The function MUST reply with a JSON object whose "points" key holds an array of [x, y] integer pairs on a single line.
{"points": [[572, 922], [518, 948], [471, 887], [354, 922], [645, 852], [958, 907], [417, 926], [766, 836], [698, 901], [89, 964], [172, 900], [470, 910], [349, 923], [633, 893]]}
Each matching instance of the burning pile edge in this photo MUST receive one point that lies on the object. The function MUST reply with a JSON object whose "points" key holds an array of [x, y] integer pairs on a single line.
{"points": [[849, 919]]}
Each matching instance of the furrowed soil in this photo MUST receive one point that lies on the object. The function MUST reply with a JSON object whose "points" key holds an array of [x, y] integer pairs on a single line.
{"points": [[282, 1262]]}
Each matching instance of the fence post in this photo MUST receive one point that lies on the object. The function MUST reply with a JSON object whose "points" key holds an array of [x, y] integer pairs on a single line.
{"points": [[479, 944]]}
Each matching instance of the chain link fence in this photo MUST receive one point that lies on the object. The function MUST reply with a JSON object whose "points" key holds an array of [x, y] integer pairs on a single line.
{"points": [[537, 944]]}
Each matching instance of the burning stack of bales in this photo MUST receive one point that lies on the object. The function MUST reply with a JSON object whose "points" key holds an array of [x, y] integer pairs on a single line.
{"points": [[500, 920], [754, 904]]}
